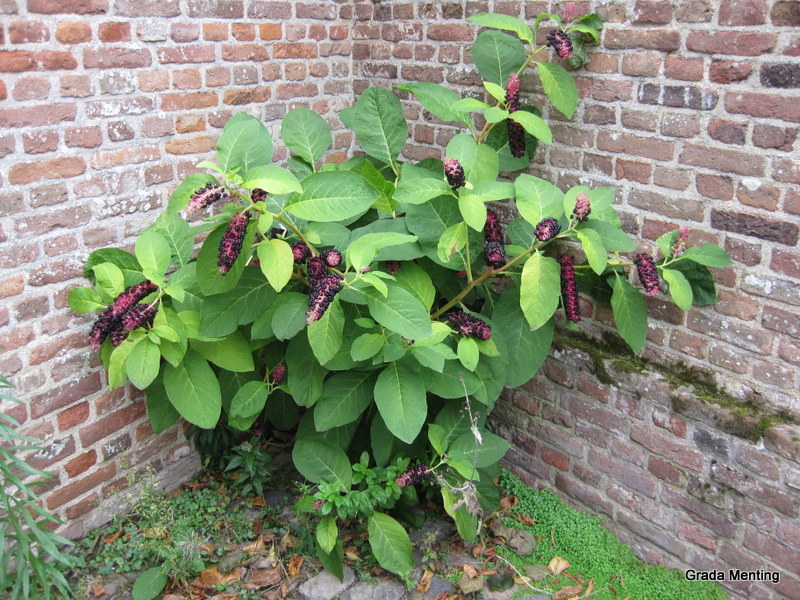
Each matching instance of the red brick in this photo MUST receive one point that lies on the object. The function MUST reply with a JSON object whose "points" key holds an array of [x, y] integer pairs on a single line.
{"points": [[152, 8], [73, 32], [611, 91], [83, 137], [770, 136], [731, 42], [762, 196], [667, 447], [674, 179], [554, 457], [754, 225], [114, 32], [215, 32], [719, 187], [60, 7], [72, 416], [631, 477], [639, 119], [189, 124], [696, 535], [244, 52], [246, 96], [728, 132], [40, 142], [695, 11], [186, 54], [296, 50], [55, 168], [672, 423], [231, 9], [75, 86], [110, 424], [677, 96], [184, 32], [685, 69], [650, 12], [194, 145], [755, 339], [17, 61], [108, 58], [243, 32], [666, 471], [287, 91], [638, 146], [764, 106], [785, 13], [28, 32], [64, 395], [666, 40], [80, 464], [31, 88], [726, 161], [641, 65], [127, 156], [188, 101], [158, 174], [725, 71], [742, 12], [633, 170], [270, 31], [69, 492]]}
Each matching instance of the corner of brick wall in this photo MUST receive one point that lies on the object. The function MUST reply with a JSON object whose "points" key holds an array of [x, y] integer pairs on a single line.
{"points": [[678, 490]]}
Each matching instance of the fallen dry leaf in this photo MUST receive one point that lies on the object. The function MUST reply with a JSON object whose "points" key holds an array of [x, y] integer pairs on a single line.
{"points": [[477, 549], [98, 589], [295, 564], [256, 546], [507, 502], [526, 520], [111, 538], [522, 580], [288, 541], [571, 591], [589, 589], [557, 565], [487, 571], [211, 577], [470, 571], [264, 577], [425, 581]]}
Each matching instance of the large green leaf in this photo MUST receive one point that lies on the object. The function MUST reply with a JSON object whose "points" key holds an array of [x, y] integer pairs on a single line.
{"points": [[109, 281], [333, 561], [277, 262], [709, 255], [416, 280], [325, 334], [418, 191], [435, 98], [390, 544], [704, 291], [149, 584], [378, 122], [143, 364], [497, 55], [319, 461], [306, 134], [473, 210], [559, 86], [534, 125], [537, 199], [161, 413], [613, 238], [490, 449], [178, 234], [527, 349], [400, 312], [304, 373], [332, 196], [540, 289], [290, 317], [679, 288], [231, 352], [506, 22], [272, 179], [244, 144], [327, 533], [249, 400], [83, 300], [400, 397], [345, 397], [486, 167], [594, 249], [630, 313], [193, 390], [223, 313]]}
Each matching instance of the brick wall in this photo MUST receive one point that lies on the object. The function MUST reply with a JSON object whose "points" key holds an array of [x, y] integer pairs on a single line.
{"points": [[642, 449], [688, 108], [104, 107]]}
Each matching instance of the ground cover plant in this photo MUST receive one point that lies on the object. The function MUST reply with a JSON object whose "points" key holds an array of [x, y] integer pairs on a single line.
{"points": [[377, 307]]}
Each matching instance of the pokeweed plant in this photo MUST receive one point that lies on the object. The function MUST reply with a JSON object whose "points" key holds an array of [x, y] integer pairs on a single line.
{"points": [[360, 301]]}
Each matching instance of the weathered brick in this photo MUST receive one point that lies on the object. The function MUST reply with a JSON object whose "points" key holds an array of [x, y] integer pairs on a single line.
{"points": [[677, 96], [69, 492], [554, 457], [59, 7], [726, 71], [224, 9], [652, 39], [80, 464], [770, 136], [633, 170], [652, 12], [297, 51], [188, 101], [755, 225], [31, 88], [110, 424], [640, 65], [780, 75], [107, 58], [785, 13], [665, 470], [701, 512], [685, 69], [728, 132], [583, 494], [116, 158], [742, 12], [694, 11], [737, 43], [55, 168], [668, 447], [73, 32], [194, 145], [646, 147], [726, 161], [28, 32], [740, 335], [244, 52], [42, 114], [269, 10]]}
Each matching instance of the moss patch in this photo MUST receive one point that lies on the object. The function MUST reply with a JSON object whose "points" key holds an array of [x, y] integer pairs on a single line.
{"points": [[701, 398]]}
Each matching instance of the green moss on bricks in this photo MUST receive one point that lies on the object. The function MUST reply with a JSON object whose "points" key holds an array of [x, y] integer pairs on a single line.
{"points": [[746, 419]]}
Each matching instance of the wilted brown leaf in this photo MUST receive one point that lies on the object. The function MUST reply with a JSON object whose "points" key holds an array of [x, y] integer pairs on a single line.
{"points": [[98, 589], [470, 571], [571, 591], [507, 502], [526, 520], [295, 564], [557, 565], [487, 571], [264, 577], [256, 546], [477, 549], [211, 577], [257, 501], [287, 541], [589, 589], [522, 580], [111, 538], [469, 584], [425, 581], [352, 554]]}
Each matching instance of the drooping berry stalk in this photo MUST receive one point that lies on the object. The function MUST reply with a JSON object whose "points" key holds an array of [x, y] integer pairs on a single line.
{"points": [[205, 196], [413, 475], [493, 248], [231, 243], [454, 173], [278, 374], [647, 273], [516, 133], [569, 288], [322, 288], [469, 325], [679, 247], [582, 208], [547, 229], [560, 42], [110, 319]]}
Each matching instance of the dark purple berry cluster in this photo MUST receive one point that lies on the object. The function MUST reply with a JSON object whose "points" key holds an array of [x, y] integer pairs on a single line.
{"points": [[647, 273], [322, 288], [258, 195], [124, 315], [332, 257], [231, 243], [469, 325], [493, 248], [547, 229], [582, 208], [413, 476], [454, 173], [278, 374], [516, 133], [300, 252], [569, 288], [392, 267], [560, 42], [204, 197]]}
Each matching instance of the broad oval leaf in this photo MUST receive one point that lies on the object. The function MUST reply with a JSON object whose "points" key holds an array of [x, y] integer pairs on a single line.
{"points": [[400, 312], [390, 544], [378, 122], [249, 400], [318, 461], [540, 289], [83, 300], [272, 179], [418, 191], [473, 210], [109, 280], [276, 262], [435, 98], [506, 22], [327, 533], [490, 450], [193, 389], [709, 255], [593, 249], [559, 86], [679, 288], [534, 125], [400, 397], [325, 334], [244, 144], [630, 313], [332, 196], [497, 55], [231, 352], [345, 397], [143, 364], [306, 134], [537, 199]]}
